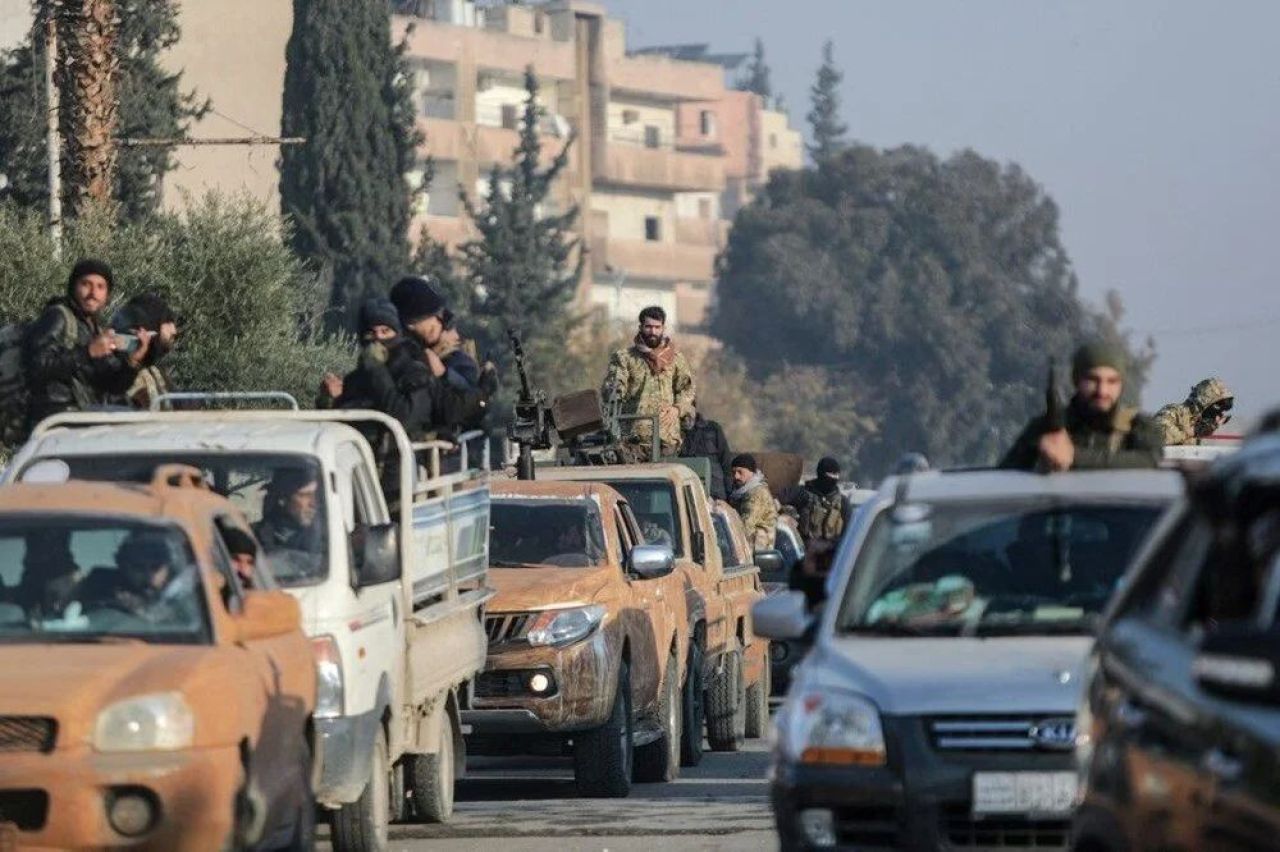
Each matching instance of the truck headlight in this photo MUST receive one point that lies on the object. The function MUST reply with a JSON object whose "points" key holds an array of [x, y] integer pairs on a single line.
{"points": [[158, 722], [834, 729], [565, 626], [329, 685]]}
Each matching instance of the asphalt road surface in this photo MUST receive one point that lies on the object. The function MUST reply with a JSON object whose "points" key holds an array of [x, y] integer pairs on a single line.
{"points": [[531, 805]]}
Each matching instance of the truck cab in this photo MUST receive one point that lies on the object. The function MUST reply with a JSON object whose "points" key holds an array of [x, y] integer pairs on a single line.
{"points": [[391, 600]]}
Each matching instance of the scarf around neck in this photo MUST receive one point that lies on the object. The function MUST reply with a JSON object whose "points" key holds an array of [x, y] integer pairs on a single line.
{"points": [[660, 358], [756, 481]]}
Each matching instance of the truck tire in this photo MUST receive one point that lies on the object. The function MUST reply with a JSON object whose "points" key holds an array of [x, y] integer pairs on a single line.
{"points": [[692, 703], [659, 761], [602, 757], [361, 826], [758, 703], [432, 778], [727, 706]]}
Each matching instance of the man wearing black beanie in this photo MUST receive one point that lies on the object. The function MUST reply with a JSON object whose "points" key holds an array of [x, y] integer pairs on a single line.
{"points": [[1095, 431], [822, 509], [71, 360]]}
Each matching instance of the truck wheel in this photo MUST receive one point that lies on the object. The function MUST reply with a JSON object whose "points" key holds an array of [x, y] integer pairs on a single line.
{"points": [[362, 825], [432, 778], [694, 708], [602, 757], [659, 761], [758, 703], [727, 706]]}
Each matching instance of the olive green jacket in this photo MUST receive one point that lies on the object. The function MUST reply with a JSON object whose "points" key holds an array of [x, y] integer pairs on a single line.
{"points": [[1124, 439]]}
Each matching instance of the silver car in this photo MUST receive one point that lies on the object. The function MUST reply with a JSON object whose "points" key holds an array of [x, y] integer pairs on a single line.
{"points": [[936, 710]]}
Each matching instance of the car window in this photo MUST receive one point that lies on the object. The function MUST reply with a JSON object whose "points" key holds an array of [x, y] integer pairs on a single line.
{"points": [[625, 539], [724, 540], [691, 518], [83, 579], [784, 544], [653, 502], [534, 532]]}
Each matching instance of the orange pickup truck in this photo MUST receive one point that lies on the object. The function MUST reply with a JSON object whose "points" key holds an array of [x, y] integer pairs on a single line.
{"points": [[587, 636], [725, 658], [147, 698]]}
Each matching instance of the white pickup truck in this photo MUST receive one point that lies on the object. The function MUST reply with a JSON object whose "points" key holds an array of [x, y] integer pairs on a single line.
{"points": [[393, 604]]}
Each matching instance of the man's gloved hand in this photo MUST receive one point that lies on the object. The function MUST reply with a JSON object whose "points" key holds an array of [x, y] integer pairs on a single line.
{"points": [[373, 353]]}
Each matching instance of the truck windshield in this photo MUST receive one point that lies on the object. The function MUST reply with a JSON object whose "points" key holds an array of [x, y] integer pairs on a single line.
{"points": [[978, 568], [78, 579], [565, 534], [654, 503], [281, 496]]}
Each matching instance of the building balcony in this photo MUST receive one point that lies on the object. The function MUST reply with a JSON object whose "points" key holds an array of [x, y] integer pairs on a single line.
{"points": [[659, 168], [670, 79], [481, 144], [471, 47], [654, 261]]}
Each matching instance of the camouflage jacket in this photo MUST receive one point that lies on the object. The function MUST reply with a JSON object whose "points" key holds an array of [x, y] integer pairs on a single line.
{"points": [[754, 503], [150, 383], [1177, 422], [1122, 439], [668, 394]]}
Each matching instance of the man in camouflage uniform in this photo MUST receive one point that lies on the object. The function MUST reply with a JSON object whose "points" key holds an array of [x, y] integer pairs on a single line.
{"points": [[1207, 409], [652, 378], [1096, 431], [754, 502]]}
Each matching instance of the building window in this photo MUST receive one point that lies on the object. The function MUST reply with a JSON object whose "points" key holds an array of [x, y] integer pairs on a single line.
{"points": [[704, 208], [652, 136], [707, 123], [630, 116], [773, 140], [652, 229], [511, 116]]}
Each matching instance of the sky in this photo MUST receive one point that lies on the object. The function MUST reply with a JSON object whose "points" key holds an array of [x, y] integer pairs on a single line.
{"points": [[1155, 126]]}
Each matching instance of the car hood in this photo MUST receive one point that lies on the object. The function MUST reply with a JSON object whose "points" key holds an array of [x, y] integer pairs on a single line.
{"points": [[546, 587], [910, 677]]}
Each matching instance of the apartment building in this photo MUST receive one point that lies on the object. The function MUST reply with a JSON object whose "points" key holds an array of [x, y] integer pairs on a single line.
{"points": [[649, 168]]}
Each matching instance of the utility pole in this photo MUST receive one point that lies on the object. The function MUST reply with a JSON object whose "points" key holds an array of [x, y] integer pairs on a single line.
{"points": [[53, 142]]}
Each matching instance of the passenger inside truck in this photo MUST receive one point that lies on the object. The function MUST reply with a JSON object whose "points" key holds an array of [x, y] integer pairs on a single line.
{"points": [[540, 532]]}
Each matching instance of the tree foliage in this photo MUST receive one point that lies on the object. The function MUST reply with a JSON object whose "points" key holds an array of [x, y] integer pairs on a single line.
{"points": [[246, 303], [756, 76], [825, 125], [522, 271], [930, 292], [346, 92], [152, 105]]}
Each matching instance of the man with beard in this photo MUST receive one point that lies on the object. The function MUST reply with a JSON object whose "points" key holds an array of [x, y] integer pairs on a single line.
{"points": [[148, 314], [1097, 432], [652, 378], [290, 530], [71, 360], [754, 502]]}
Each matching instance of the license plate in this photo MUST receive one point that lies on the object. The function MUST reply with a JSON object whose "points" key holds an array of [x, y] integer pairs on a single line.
{"points": [[1029, 793]]}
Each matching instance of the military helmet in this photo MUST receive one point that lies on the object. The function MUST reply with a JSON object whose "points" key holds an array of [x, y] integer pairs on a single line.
{"points": [[1208, 393]]}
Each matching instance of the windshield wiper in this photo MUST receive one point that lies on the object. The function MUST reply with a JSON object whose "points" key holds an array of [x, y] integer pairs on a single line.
{"points": [[887, 628]]}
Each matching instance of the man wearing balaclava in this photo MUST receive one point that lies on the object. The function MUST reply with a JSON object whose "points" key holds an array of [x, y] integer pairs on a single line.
{"points": [[821, 507], [1097, 432]]}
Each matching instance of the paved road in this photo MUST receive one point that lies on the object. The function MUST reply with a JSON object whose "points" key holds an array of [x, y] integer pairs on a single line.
{"points": [[531, 805]]}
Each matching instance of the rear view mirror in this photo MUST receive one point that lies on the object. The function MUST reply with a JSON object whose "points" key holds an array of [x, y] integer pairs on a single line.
{"points": [[650, 561], [781, 616], [377, 554], [1237, 660]]}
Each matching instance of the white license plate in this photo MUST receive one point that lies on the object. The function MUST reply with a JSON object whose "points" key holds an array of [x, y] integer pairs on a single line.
{"points": [[1029, 793]]}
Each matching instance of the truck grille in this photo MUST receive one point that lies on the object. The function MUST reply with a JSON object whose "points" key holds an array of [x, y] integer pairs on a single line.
{"points": [[1002, 733], [27, 809], [507, 627], [964, 832], [26, 733]]}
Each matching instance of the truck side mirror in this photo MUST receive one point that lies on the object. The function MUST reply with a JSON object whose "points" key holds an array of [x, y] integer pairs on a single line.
{"points": [[377, 555], [771, 564], [1238, 660], [651, 561], [781, 616]]}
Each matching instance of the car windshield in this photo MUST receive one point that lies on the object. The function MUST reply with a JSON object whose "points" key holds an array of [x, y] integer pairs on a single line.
{"points": [[279, 494], [654, 503], [991, 568], [566, 534], [71, 578]]}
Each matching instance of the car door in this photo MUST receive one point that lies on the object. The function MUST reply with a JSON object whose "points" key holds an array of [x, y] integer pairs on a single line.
{"points": [[710, 569], [645, 622], [1147, 759]]}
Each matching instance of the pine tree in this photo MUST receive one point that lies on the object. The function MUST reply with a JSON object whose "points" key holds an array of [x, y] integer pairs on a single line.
{"points": [[347, 93], [824, 116], [151, 105], [756, 77], [522, 271]]}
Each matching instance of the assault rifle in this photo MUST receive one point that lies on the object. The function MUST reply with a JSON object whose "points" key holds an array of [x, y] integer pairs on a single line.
{"points": [[530, 426], [1054, 417]]}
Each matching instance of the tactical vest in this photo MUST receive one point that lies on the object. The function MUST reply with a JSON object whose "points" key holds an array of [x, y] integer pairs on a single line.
{"points": [[823, 517]]}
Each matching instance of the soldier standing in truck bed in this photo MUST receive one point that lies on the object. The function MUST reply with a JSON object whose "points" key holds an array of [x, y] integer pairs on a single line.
{"points": [[1206, 410], [652, 378]]}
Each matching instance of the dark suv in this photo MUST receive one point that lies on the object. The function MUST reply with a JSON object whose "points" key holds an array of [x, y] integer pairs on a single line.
{"points": [[1180, 729]]}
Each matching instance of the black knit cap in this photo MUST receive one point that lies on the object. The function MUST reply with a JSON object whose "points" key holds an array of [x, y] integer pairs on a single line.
{"points": [[415, 298], [828, 466], [146, 310], [746, 461], [379, 310], [90, 266], [239, 542]]}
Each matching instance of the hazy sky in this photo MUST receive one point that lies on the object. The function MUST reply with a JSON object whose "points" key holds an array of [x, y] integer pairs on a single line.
{"points": [[1154, 125]]}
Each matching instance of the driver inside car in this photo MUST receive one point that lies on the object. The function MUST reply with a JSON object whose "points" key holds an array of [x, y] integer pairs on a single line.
{"points": [[143, 582], [290, 517]]}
